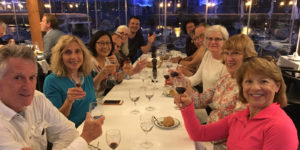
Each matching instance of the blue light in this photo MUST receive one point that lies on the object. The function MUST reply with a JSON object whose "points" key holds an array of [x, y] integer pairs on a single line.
{"points": [[144, 3]]}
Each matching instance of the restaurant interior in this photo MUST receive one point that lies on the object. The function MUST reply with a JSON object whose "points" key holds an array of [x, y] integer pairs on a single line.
{"points": [[273, 25]]}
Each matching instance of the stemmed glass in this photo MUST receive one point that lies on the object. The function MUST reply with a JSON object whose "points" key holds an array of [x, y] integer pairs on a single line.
{"points": [[149, 93], [76, 82], [112, 76], [180, 85], [143, 76], [113, 138], [134, 96], [146, 124]]}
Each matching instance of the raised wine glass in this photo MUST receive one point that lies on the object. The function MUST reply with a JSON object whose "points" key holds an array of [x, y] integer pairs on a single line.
{"points": [[95, 113], [113, 138], [134, 96], [76, 82], [180, 86], [146, 124], [149, 93]]}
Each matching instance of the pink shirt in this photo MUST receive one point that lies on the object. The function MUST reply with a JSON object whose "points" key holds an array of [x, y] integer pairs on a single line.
{"points": [[270, 129]]}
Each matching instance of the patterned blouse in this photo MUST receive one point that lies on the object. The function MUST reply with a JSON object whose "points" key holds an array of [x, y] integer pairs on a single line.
{"points": [[223, 98]]}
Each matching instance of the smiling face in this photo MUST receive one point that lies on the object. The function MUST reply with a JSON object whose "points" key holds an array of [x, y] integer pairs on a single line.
{"points": [[103, 46], [198, 38], [18, 84], [72, 56], [117, 42], [190, 26], [124, 35], [214, 42], [259, 90], [134, 25], [233, 60]]}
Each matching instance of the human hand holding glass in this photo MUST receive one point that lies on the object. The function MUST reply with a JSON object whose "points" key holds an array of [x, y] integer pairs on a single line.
{"points": [[113, 138]]}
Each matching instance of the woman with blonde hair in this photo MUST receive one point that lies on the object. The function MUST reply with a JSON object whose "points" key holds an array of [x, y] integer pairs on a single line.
{"points": [[63, 87]]}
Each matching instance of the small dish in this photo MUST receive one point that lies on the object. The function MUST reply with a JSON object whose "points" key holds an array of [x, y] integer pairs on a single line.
{"points": [[176, 123]]}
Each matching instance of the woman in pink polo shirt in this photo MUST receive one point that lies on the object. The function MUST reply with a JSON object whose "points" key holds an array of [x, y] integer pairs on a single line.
{"points": [[263, 125]]}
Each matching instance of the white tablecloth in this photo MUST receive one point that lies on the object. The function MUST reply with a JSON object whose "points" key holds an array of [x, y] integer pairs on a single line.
{"points": [[119, 116]]}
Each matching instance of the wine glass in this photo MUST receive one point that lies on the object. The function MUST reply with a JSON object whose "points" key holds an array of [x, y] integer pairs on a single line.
{"points": [[112, 76], [76, 82], [149, 93], [143, 76], [180, 84], [127, 63], [95, 113], [134, 96], [146, 124], [113, 138]]}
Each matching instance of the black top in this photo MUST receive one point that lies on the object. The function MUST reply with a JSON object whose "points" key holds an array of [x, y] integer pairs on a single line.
{"points": [[190, 48], [134, 46]]}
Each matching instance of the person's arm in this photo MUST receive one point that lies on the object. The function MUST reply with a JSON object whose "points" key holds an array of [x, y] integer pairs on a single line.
{"points": [[196, 59], [146, 48], [198, 132], [201, 100], [280, 135]]}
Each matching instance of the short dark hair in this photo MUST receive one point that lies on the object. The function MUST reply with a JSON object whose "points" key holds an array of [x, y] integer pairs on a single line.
{"points": [[183, 27], [134, 17], [94, 39], [52, 20]]}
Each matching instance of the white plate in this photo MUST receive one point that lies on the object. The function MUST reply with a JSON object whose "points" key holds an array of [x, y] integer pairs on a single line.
{"points": [[176, 123]]}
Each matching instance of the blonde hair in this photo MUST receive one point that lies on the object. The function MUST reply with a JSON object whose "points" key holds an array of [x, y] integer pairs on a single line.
{"points": [[262, 66], [57, 65], [241, 43]]}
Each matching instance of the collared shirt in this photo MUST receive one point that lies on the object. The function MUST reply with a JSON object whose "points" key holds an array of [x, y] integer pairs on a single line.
{"points": [[39, 122], [270, 129]]}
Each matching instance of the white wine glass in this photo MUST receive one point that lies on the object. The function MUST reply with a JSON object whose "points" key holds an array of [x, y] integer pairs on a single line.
{"points": [[113, 138], [149, 93], [146, 124], [134, 97], [143, 77]]}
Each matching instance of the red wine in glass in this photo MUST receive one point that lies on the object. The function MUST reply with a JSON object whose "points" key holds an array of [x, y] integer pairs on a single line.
{"points": [[78, 85], [113, 145], [174, 74], [180, 90]]}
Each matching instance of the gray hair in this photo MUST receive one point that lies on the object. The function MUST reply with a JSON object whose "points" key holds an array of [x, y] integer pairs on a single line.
{"points": [[8, 51], [122, 27], [217, 28]]}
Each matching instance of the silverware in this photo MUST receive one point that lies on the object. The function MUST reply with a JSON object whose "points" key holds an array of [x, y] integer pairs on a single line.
{"points": [[158, 122]]}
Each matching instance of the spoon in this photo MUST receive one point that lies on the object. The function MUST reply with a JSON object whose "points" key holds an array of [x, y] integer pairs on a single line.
{"points": [[158, 122]]}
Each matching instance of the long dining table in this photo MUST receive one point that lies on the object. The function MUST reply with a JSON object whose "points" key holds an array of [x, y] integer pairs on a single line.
{"points": [[120, 117]]}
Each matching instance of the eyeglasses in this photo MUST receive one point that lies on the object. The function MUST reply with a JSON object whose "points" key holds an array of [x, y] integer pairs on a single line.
{"points": [[214, 39], [232, 54], [123, 33], [267, 57], [198, 37], [103, 43]]}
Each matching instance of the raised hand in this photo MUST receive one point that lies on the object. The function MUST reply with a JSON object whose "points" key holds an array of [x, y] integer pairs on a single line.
{"points": [[182, 100], [75, 93]]}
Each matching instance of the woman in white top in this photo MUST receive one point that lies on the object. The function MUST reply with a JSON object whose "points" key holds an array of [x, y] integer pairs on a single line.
{"points": [[211, 67]]}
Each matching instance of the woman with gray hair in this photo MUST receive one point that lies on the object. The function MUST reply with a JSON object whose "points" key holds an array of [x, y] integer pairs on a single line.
{"points": [[123, 31], [211, 67]]}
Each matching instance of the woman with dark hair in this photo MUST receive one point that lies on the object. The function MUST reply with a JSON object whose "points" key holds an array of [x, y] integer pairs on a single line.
{"points": [[105, 63]]}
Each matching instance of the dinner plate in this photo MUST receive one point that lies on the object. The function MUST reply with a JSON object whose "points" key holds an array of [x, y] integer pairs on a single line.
{"points": [[176, 123]]}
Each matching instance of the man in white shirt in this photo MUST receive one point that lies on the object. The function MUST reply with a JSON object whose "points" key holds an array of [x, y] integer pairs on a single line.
{"points": [[28, 119]]}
